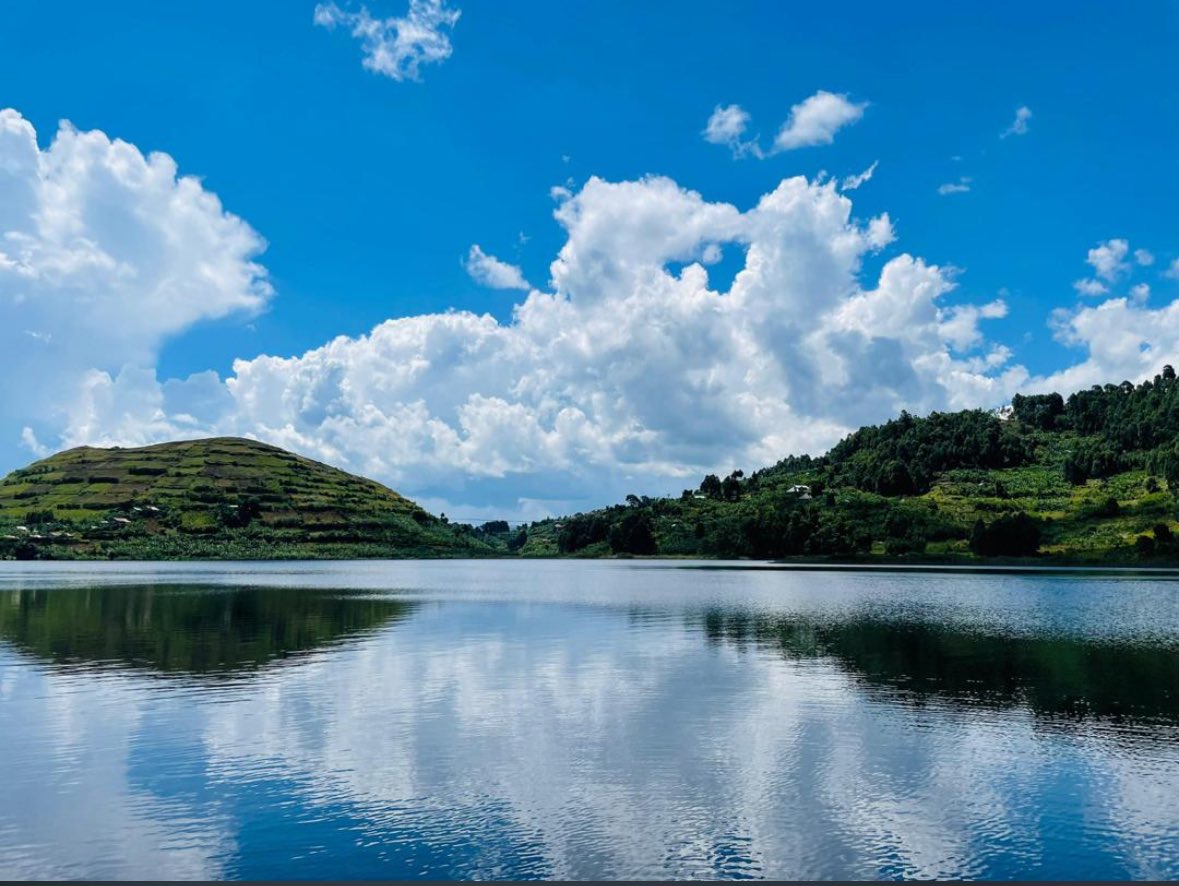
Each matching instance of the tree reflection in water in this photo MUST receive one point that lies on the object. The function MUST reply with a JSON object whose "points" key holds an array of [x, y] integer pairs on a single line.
{"points": [[187, 629], [916, 662]]}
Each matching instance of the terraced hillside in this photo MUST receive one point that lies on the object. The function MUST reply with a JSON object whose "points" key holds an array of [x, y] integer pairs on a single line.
{"points": [[218, 497]]}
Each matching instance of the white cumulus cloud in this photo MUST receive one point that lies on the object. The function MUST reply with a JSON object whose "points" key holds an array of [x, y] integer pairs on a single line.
{"points": [[397, 47], [727, 126], [1109, 259], [634, 367], [1123, 339], [104, 254], [1090, 287], [487, 270], [815, 120]]}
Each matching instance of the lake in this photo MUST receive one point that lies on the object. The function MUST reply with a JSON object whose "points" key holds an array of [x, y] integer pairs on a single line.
{"points": [[595, 719]]}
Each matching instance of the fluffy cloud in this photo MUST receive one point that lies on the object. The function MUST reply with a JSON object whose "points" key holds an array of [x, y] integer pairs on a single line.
{"points": [[397, 47], [104, 254], [487, 270], [1090, 287], [1109, 259], [1172, 273], [727, 126], [1019, 126], [1123, 338], [633, 368], [816, 120], [813, 121]]}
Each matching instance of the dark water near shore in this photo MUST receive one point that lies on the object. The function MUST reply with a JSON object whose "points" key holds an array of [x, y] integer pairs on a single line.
{"points": [[584, 720]]}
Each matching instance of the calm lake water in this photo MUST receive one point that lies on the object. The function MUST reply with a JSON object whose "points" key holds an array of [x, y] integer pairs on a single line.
{"points": [[584, 720]]}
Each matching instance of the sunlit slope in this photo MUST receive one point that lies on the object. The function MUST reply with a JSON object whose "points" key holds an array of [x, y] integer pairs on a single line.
{"points": [[213, 497]]}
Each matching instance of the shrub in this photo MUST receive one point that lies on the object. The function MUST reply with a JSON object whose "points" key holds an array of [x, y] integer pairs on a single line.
{"points": [[633, 535], [1107, 507], [1012, 535]]}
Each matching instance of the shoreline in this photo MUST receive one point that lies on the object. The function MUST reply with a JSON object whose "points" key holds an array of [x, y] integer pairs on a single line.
{"points": [[997, 567]]}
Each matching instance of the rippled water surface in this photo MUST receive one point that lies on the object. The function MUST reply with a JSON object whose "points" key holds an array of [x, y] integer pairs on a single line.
{"points": [[584, 720]]}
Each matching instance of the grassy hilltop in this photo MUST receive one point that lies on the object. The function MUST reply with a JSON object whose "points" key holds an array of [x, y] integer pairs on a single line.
{"points": [[220, 497], [1088, 479]]}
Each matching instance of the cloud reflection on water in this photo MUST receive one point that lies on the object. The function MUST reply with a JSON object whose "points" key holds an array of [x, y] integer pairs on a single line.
{"points": [[483, 737]]}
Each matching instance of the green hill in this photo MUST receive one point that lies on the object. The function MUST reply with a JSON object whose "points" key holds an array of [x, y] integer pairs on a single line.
{"points": [[1091, 479], [221, 497], [1088, 479]]}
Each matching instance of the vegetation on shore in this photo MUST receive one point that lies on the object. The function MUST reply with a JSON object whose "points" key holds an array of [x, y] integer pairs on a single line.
{"points": [[1091, 479]]}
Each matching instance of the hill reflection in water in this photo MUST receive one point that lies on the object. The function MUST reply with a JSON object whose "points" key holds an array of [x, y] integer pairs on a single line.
{"points": [[187, 629], [921, 661]]}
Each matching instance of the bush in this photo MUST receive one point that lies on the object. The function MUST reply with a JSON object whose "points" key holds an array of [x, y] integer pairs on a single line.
{"points": [[633, 535], [580, 532], [1107, 507], [895, 547], [241, 516], [1039, 410], [1012, 535]]}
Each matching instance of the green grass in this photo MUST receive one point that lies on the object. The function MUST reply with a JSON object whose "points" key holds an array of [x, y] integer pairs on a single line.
{"points": [[186, 500]]}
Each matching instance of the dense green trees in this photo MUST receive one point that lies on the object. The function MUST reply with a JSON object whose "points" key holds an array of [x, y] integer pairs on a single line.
{"points": [[904, 456], [1132, 418], [1092, 459], [711, 486], [870, 490], [1012, 535], [1039, 410], [633, 535], [581, 532], [239, 515]]}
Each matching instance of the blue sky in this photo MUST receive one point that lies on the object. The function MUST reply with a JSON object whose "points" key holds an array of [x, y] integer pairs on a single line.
{"points": [[370, 191]]}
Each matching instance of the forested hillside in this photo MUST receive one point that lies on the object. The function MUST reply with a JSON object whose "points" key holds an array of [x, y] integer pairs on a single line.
{"points": [[1087, 478]]}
